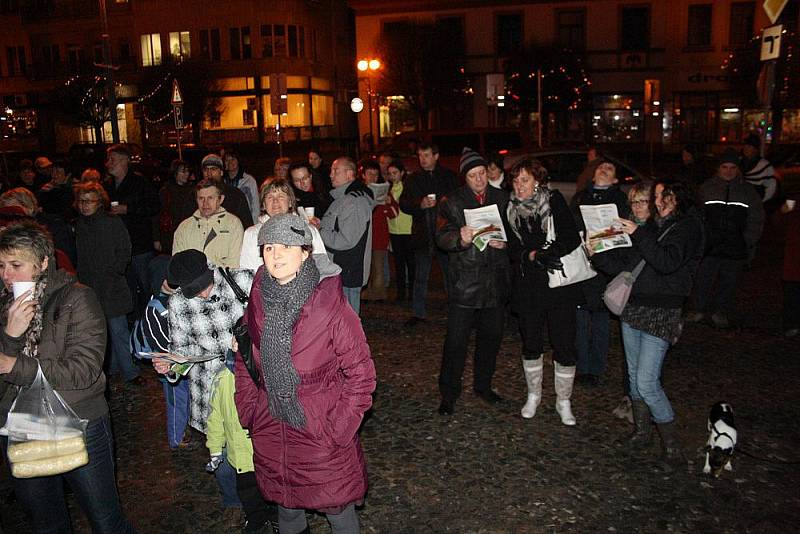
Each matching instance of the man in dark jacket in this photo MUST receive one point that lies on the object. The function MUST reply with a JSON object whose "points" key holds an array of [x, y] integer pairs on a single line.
{"points": [[734, 218], [421, 191], [135, 200], [593, 330], [478, 284]]}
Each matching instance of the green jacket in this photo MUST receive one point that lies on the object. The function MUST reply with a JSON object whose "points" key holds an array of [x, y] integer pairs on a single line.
{"points": [[224, 429]]}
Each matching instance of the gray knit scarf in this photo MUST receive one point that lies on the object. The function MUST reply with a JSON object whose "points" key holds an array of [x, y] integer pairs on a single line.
{"points": [[282, 304], [529, 211]]}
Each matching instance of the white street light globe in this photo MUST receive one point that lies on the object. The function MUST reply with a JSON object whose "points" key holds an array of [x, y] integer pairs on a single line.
{"points": [[356, 105]]}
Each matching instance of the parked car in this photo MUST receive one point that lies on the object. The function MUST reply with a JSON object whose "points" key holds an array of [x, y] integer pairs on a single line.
{"points": [[452, 142], [564, 166]]}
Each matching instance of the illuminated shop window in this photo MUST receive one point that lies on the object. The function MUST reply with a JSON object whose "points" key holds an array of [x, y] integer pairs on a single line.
{"points": [[617, 118]]}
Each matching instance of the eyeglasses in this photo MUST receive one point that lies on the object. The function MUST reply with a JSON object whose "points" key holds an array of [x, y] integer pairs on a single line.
{"points": [[641, 202]]}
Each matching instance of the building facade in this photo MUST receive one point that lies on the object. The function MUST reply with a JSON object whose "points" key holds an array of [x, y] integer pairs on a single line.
{"points": [[236, 44], [662, 72]]}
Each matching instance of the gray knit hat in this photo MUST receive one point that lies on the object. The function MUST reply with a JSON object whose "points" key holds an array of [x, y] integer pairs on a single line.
{"points": [[212, 160], [285, 229], [469, 160]]}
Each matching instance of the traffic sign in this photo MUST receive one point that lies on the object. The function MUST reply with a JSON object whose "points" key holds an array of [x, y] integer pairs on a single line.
{"points": [[177, 97], [773, 8], [178, 112], [771, 42]]}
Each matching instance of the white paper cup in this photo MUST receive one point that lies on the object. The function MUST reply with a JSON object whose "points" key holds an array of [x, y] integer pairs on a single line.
{"points": [[21, 287], [114, 204], [791, 203], [432, 196], [309, 212]]}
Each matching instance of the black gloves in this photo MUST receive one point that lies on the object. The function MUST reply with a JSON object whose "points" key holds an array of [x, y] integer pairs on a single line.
{"points": [[547, 260]]}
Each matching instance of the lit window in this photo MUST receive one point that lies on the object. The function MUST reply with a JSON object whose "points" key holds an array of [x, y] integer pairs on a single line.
{"points": [[151, 49], [180, 45]]}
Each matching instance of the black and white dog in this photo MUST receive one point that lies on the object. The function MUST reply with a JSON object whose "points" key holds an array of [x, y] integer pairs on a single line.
{"points": [[721, 439]]}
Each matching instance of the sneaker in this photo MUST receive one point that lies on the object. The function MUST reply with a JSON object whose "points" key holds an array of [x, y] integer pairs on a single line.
{"points": [[720, 320], [694, 317]]}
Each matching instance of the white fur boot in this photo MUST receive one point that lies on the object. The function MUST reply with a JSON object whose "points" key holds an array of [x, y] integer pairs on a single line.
{"points": [[564, 378], [533, 377]]}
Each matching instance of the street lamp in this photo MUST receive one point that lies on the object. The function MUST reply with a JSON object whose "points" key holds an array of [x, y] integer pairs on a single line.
{"points": [[369, 66]]}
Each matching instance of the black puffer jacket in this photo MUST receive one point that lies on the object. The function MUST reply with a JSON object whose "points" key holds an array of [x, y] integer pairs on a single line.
{"points": [[440, 181], [475, 279], [667, 277], [734, 217], [104, 252]]}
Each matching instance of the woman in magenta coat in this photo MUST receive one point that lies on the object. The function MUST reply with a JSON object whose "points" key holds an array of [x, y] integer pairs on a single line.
{"points": [[315, 380]]}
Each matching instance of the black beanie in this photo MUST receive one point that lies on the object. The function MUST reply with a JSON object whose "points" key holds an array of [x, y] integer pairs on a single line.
{"points": [[730, 156], [469, 160], [189, 271]]}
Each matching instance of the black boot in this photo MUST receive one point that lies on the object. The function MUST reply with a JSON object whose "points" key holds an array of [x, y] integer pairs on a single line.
{"points": [[672, 457], [643, 427]]}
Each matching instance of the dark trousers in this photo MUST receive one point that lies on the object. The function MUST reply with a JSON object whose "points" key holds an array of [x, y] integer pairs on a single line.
{"points": [[423, 260], [488, 323], [256, 509], [403, 264], [560, 321], [138, 281], [93, 484], [791, 305], [725, 272], [592, 339]]}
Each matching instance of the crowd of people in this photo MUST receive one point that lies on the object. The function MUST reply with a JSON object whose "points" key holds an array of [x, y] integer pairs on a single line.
{"points": [[246, 297]]}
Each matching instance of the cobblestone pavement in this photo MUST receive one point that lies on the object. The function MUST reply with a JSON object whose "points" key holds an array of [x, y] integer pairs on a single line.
{"points": [[486, 470]]}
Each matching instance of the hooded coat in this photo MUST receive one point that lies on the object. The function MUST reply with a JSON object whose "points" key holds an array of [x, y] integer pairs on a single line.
{"points": [[320, 466]]}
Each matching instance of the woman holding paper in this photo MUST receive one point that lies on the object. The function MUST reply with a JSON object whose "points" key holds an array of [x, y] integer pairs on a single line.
{"points": [[533, 204], [60, 323], [671, 245]]}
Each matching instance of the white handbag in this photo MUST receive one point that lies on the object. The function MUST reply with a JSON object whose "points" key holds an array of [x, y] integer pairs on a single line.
{"points": [[576, 266]]}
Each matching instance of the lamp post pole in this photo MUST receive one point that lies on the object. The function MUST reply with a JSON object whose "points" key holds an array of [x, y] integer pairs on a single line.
{"points": [[110, 91], [368, 66]]}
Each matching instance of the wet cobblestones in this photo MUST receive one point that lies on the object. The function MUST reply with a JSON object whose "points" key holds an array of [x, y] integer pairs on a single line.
{"points": [[486, 470]]}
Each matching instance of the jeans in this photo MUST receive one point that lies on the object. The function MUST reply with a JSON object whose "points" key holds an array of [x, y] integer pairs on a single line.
{"points": [[423, 260], [645, 355], [353, 296], [121, 358], [489, 326], [177, 397], [226, 480], [726, 274], [592, 337], [93, 484], [293, 521]]}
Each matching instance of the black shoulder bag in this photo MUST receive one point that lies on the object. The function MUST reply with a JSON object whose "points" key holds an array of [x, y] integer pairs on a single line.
{"points": [[240, 331]]}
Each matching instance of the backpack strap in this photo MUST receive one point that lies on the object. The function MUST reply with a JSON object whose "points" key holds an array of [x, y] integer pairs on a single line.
{"points": [[241, 296]]}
